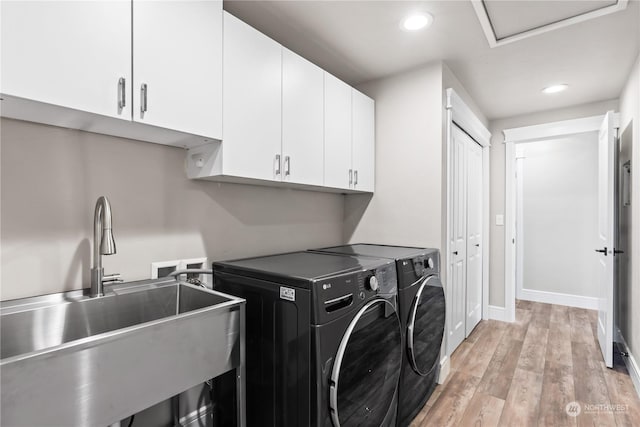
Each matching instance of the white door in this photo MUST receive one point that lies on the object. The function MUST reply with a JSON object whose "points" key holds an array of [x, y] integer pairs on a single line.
{"points": [[363, 141], [337, 133], [75, 54], [474, 235], [606, 227], [252, 120], [302, 120], [177, 57], [458, 244]]}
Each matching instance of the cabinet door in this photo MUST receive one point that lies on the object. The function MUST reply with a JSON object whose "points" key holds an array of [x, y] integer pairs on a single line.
{"points": [[302, 120], [177, 54], [337, 133], [68, 53], [363, 143], [252, 122]]}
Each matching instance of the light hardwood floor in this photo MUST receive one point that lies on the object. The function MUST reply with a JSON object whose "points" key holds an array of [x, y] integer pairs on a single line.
{"points": [[525, 373]]}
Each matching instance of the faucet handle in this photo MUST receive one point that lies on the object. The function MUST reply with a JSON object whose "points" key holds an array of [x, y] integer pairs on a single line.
{"points": [[112, 278]]}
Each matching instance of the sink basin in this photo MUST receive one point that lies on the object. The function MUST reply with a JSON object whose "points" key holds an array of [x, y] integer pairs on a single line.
{"points": [[67, 359]]}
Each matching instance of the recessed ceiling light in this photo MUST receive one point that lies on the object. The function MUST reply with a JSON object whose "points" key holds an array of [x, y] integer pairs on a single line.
{"points": [[417, 22], [555, 88]]}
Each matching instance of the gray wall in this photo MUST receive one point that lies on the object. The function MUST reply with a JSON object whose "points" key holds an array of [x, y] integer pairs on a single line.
{"points": [[560, 214], [406, 206], [496, 257], [630, 117], [51, 178]]}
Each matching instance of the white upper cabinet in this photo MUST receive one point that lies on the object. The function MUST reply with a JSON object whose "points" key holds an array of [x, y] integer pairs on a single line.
{"points": [[177, 65], [363, 142], [338, 172], [74, 54], [252, 124], [302, 120]]}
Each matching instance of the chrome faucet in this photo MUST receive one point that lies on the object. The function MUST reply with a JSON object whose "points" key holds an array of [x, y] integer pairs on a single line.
{"points": [[103, 244]]}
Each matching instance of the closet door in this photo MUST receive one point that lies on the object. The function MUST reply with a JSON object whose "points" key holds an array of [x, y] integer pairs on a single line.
{"points": [[458, 243], [474, 235]]}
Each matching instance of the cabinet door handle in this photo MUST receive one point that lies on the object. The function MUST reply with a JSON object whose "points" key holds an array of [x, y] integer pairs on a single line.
{"points": [[277, 165], [350, 177], [355, 178], [143, 99], [287, 165], [122, 94]]}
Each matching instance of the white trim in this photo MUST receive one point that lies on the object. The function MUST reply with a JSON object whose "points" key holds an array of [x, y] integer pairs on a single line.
{"points": [[556, 129], [519, 221], [445, 368], [464, 117], [486, 229], [630, 363], [510, 234], [569, 300], [487, 26], [497, 313]]}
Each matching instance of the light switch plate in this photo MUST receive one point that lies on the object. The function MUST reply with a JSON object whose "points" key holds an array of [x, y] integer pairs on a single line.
{"points": [[499, 219]]}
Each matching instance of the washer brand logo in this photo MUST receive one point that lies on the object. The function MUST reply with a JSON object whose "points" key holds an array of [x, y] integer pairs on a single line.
{"points": [[287, 293], [326, 286]]}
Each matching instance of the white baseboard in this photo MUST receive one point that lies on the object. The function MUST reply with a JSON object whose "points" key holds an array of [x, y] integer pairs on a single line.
{"points": [[590, 303], [445, 367], [497, 313], [630, 362]]}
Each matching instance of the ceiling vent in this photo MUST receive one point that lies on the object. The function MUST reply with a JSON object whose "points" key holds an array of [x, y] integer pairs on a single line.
{"points": [[509, 21]]}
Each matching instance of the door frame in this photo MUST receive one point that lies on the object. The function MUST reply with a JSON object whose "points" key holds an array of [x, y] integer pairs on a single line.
{"points": [[459, 113], [514, 136]]}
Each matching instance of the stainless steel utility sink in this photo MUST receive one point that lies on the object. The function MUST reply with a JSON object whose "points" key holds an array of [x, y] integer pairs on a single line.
{"points": [[67, 359]]}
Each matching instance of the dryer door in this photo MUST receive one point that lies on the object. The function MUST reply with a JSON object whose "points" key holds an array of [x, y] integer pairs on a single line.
{"points": [[425, 326], [366, 371]]}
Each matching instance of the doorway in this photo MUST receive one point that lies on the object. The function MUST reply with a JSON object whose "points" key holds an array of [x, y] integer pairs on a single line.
{"points": [[602, 262]]}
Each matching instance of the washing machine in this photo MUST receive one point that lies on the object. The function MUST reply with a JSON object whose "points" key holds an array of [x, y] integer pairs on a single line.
{"points": [[421, 305], [323, 338]]}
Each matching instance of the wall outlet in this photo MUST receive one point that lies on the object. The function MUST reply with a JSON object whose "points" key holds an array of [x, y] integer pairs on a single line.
{"points": [[164, 268]]}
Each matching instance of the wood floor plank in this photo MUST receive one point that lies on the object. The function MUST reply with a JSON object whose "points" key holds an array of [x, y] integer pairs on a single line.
{"points": [[581, 327], [523, 304], [590, 385], [559, 344], [622, 392], [518, 329], [450, 406], [483, 350], [541, 315], [559, 314], [497, 378], [557, 392], [459, 356], [480, 329], [523, 399], [534, 349], [483, 411]]}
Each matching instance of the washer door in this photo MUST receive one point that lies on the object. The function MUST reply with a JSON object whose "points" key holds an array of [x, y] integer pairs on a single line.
{"points": [[425, 326], [367, 367]]}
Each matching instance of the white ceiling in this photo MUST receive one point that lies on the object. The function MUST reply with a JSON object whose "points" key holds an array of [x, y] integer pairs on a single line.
{"points": [[360, 41]]}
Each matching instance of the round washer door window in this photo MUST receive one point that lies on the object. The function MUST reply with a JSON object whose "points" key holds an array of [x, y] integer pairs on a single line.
{"points": [[367, 367], [425, 326]]}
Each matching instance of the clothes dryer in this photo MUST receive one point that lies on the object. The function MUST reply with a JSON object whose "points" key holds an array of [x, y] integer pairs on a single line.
{"points": [[421, 304]]}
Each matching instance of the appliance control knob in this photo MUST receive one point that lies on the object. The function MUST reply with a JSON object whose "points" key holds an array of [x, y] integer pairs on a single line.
{"points": [[428, 262], [372, 283]]}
